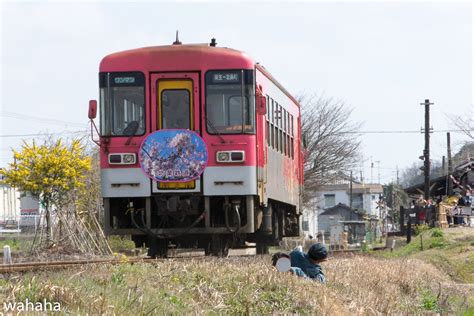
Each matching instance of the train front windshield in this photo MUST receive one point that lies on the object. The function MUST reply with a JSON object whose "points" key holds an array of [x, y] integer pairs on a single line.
{"points": [[230, 102], [122, 103]]}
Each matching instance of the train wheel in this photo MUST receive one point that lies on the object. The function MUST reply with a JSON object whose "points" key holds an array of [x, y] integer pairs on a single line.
{"points": [[277, 225], [218, 246], [139, 240], [157, 248], [261, 248]]}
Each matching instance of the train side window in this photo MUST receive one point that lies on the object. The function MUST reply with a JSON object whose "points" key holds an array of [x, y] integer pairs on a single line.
{"points": [[291, 125], [285, 132], [288, 153], [277, 124], [267, 134], [271, 135], [278, 115], [292, 150], [272, 113], [280, 140], [288, 122], [267, 106], [267, 130], [274, 136], [275, 141]]}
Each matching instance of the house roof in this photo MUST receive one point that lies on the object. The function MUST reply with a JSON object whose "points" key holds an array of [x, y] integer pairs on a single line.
{"points": [[336, 209], [352, 222], [438, 185], [357, 188]]}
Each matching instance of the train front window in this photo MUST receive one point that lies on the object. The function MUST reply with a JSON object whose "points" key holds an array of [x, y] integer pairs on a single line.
{"points": [[122, 103], [230, 102]]}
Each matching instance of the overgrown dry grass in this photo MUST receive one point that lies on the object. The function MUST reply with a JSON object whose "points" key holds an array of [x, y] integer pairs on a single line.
{"points": [[372, 285], [358, 285]]}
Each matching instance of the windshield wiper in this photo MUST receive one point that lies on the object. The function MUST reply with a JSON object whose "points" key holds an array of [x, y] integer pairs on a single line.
{"points": [[215, 131]]}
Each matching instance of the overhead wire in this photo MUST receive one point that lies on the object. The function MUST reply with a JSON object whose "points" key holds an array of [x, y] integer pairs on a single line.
{"points": [[21, 116], [43, 134], [406, 131]]}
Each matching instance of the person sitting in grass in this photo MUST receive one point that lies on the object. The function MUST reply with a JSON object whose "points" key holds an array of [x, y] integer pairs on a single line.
{"points": [[293, 270], [309, 263]]}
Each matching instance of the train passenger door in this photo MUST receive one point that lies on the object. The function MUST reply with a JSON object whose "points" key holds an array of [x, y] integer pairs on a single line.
{"points": [[175, 102]]}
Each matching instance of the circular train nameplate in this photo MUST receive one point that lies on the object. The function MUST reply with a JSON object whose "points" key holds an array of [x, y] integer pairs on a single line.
{"points": [[173, 155]]}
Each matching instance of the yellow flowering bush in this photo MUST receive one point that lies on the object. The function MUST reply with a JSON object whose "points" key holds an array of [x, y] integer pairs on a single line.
{"points": [[49, 171]]}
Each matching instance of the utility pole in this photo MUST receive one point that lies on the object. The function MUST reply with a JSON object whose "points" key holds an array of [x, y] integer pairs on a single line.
{"points": [[450, 165], [371, 171], [350, 193], [426, 151]]}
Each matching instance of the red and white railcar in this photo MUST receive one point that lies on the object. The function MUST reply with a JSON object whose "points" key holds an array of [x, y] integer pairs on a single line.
{"points": [[249, 186]]}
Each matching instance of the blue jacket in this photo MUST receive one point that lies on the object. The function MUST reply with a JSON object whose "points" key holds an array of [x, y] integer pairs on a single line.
{"points": [[298, 272], [302, 261]]}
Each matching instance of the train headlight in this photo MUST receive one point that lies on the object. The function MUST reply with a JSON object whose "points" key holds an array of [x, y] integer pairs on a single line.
{"points": [[223, 156], [129, 158], [231, 156]]}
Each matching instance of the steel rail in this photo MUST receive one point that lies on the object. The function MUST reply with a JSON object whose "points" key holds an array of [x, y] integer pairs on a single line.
{"points": [[46, 265]]}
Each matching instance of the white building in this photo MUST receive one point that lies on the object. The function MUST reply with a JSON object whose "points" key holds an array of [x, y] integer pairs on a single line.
{"points": [[364, 197], [16, 208], [9, 204], [310, 220]]}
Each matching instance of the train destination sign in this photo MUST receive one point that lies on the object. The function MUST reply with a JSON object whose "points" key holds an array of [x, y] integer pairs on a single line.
{"points": [[173, 155], [225, 77], [124, 80]]}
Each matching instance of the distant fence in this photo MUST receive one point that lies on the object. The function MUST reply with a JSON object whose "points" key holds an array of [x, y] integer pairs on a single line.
{"points": [[20, 224]]}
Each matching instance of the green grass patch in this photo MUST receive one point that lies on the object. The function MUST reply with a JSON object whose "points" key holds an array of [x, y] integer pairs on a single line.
{"points": [[436, 232], [16, 244], [427, 239], [429, 301], [121, 243], [449, 250]]}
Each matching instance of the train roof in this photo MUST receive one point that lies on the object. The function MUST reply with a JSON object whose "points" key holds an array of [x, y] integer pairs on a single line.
{"points": [[190, 56], [183, 57]]}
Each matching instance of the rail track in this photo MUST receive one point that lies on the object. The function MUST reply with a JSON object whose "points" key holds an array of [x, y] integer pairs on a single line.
{"points": [[181, 254], [50, 265]]}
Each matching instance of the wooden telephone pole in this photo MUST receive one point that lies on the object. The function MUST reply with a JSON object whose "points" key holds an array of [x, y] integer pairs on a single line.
{"points": [[450, 166], [426, 151]]}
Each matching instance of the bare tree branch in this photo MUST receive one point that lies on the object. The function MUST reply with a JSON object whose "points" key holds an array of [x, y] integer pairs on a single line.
{"points": [[332, 141], [464, 122]]}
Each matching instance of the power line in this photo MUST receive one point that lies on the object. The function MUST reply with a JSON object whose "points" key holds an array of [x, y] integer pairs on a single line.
{"points": [[406, 132], [20, 116], [43, 134]]}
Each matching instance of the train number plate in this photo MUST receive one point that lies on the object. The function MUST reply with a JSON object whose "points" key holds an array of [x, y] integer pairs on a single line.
{"points": [[177, 185]]}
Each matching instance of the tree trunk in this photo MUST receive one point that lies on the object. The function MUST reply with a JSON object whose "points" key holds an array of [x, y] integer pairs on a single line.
{"points": [[48, 223]]}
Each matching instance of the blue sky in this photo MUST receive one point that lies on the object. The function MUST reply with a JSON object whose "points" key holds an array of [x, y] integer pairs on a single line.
{"points": [[381, 58]]}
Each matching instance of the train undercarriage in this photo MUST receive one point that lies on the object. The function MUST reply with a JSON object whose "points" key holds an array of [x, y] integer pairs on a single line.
{"points": [[215, 223]]}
